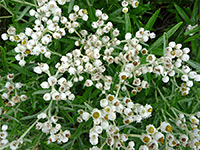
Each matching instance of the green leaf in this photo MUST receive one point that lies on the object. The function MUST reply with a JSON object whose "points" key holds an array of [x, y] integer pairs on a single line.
{"points": [[23, 70], [41, 92], [194, 17], [4, 61], [182, 14], [192, 38], [159, 41], [127, 23], [71, 4], [194, 64], [196, 29], [65, 113], [152, 20], [23, 13]]}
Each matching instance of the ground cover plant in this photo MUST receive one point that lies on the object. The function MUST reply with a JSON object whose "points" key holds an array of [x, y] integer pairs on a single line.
{"points": [[99, 75]]}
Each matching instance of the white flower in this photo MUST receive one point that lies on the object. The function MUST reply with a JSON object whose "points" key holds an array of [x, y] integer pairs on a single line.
{"points": [[98, 129], [192, 74], [23, 97], [4, 96], [165, 79], [104, 102], [4, 127], [151, 58], [184, 78], [150, 129], [32, 12], [71, 97], [85, 116], [185, 57], [135, 4], [197, 78], [104, 124], [52, 80], [55, 95], [88, 83], [44, 85], [22, 62], [4, 36], [38, 70], [93, 138], [98, 13], [42, 115], [125, 10], [128, 36], [47, 97], [166, 127], [28, 31], [14, 145], [44, 67]]}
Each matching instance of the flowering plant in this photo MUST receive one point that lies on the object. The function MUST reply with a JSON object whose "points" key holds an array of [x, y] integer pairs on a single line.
{"points": [[90, 75]]}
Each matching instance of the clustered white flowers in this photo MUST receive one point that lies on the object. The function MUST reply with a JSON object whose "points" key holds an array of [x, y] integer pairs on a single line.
{"points": [[88, 63], [125, 3], [3, 135], [53, 128], [49, 25], [190, 27], [11, 92]]}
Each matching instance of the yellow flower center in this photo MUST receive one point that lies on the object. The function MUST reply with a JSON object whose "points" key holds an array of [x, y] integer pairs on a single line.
{"points": [[196, 143], [151, 130], [169, 128], [27, 51], [150, 110], [16, 38], [96, 115], [161, 140], [110, 98], [146, 139]]}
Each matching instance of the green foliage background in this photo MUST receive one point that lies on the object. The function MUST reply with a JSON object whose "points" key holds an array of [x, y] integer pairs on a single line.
{"points": [[161, 16]]}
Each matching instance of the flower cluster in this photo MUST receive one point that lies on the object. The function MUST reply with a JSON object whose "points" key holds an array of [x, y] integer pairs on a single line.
{"points": [[125, 3], [3, 135], [49, 24], [11, 92], [153, 136], [189, 135], [53, 128], [102, 118]]}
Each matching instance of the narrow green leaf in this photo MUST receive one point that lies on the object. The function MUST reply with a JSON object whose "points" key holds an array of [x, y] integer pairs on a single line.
{"points": [[4, 61], [194, 64], [71, 4], [23, 13], [29, 117], [192, 38], [40, 92], [68, 116], [152, 20], [159, 41], [127, 23], [196, 29], [182, 14], [194, 17], [195, 47], [23, 70]]}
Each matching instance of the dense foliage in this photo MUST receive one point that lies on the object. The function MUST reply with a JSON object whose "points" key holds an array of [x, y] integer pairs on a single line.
{"points": [[91, 74]]}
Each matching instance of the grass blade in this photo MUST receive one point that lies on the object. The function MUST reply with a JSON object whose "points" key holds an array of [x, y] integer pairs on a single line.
{"points": [[182, 14], [127, 23], [152, 20], [159, 41], [194, 17], [23, 70]]}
